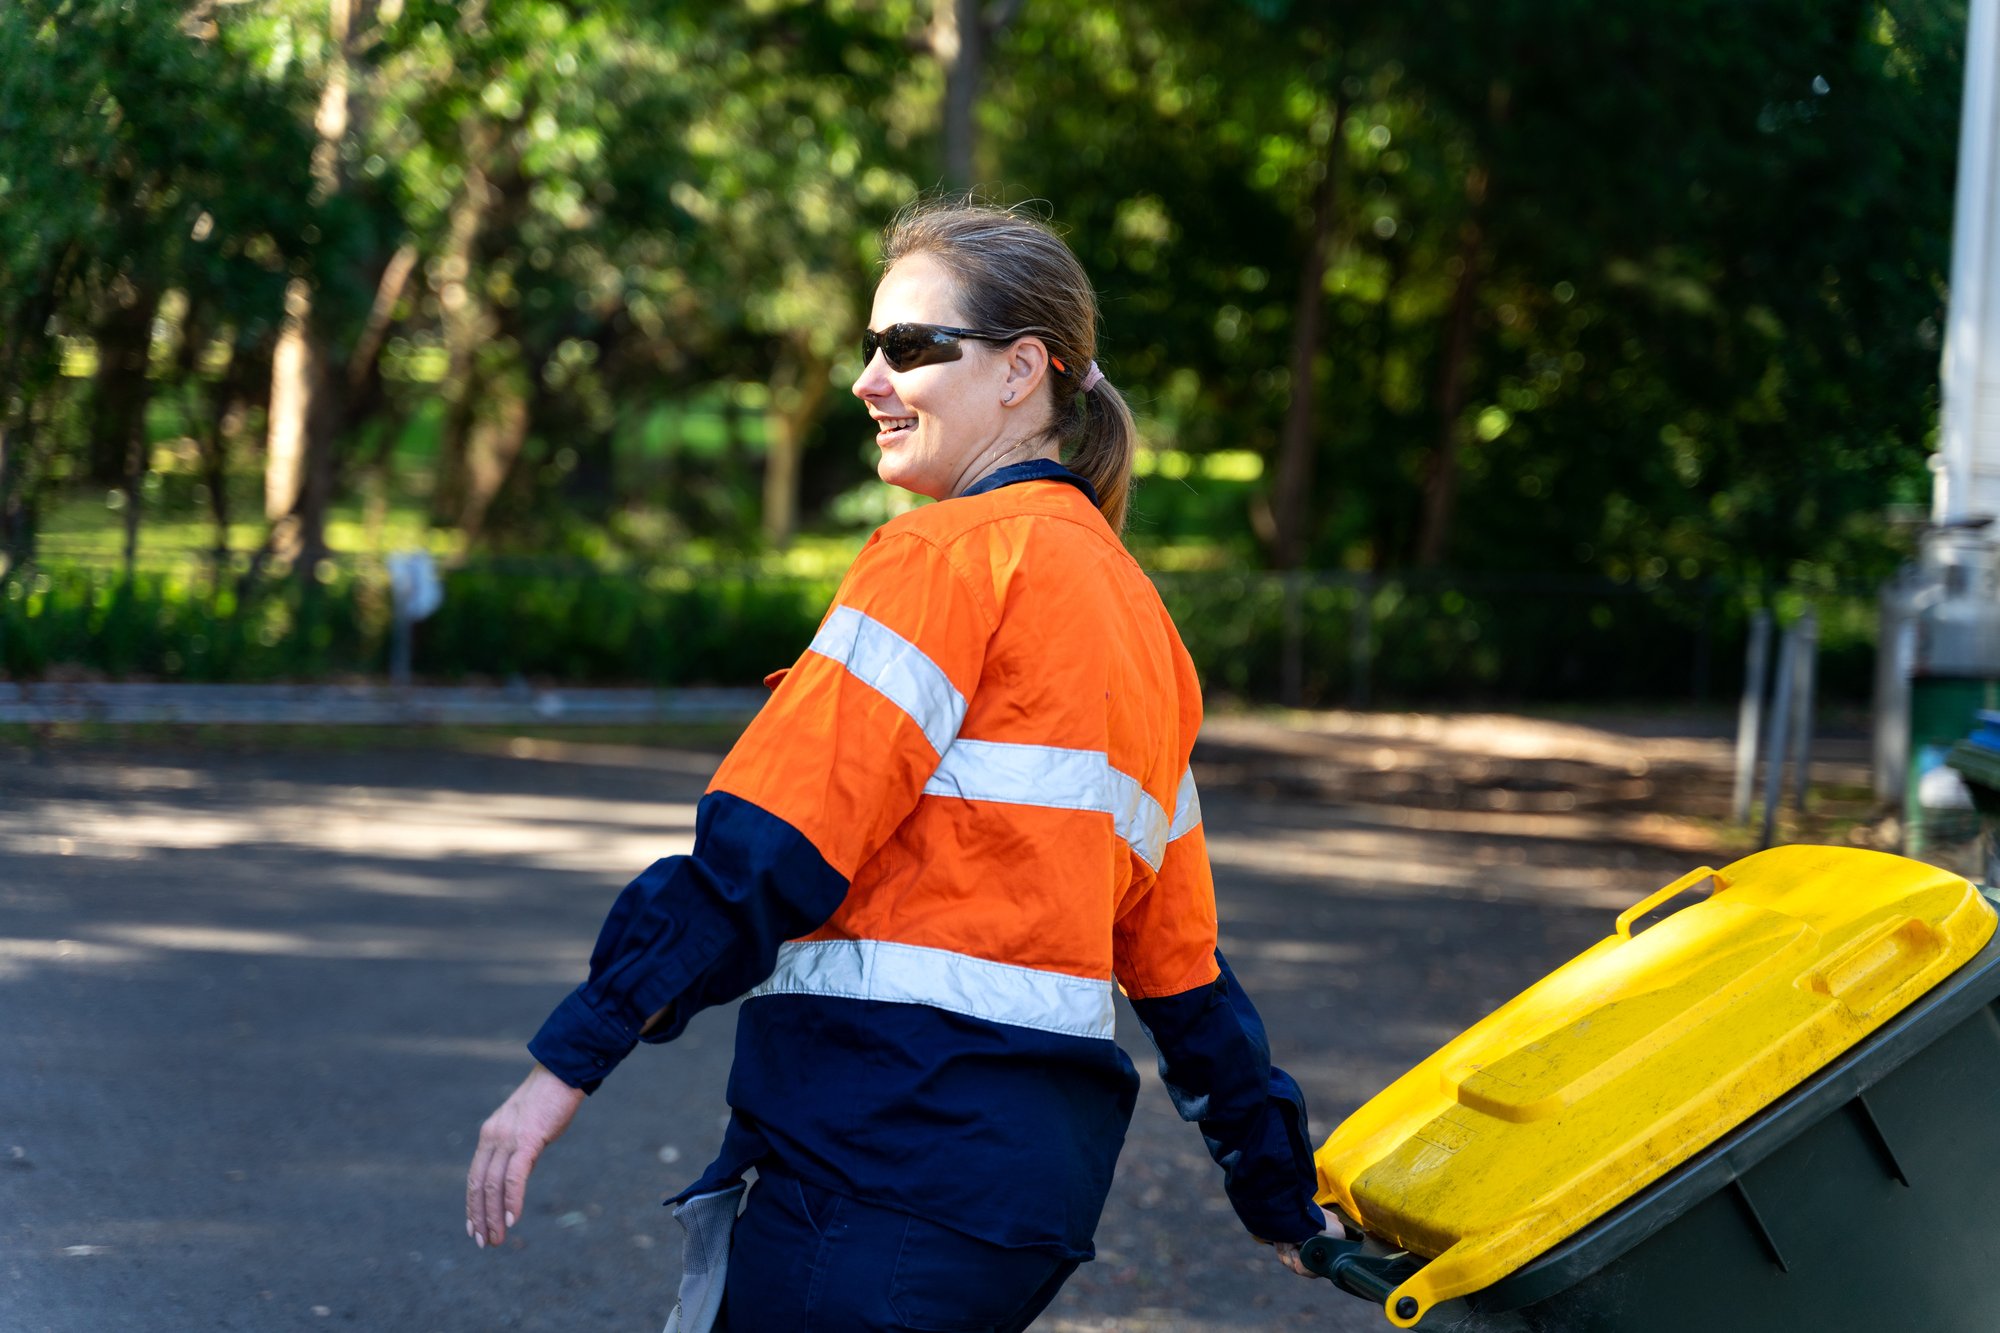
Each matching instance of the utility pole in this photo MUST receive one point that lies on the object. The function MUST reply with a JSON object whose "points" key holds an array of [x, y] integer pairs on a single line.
{"points": [[1968, 476]]}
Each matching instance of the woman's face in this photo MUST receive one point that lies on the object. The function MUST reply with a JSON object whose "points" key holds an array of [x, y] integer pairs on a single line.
{"points": [[940, 426]]}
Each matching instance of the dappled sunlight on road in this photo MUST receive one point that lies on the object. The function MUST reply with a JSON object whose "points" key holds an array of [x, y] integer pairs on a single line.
{"points": [[1347, 864], [17, 956], [313, 975], [1487, 735], [218, 939], [172, 1234], [556, 833]]}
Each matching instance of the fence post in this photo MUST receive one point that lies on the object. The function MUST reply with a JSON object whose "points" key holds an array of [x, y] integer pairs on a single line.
{"points": [[400, 650], [1756, 657], [1292, 667], [1704, 642], [1774, 733], [415, 591], [1361, 641], [1806, 669]]}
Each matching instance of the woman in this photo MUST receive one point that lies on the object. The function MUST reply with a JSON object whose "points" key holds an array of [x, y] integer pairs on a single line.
{"points": [[961, 816]]}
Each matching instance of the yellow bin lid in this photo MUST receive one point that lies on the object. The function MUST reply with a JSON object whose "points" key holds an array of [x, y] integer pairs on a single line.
{"points": [[1633, 1056]]}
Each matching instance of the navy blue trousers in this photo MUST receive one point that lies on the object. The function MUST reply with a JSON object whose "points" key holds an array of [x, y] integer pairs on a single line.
{"points": [[804, 1260]]}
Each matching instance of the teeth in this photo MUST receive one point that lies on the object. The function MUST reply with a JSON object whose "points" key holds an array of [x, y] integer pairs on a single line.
{"points": [[898, 423]]}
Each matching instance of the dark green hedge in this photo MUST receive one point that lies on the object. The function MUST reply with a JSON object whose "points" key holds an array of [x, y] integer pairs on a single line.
{"points": [[1454, 639]]}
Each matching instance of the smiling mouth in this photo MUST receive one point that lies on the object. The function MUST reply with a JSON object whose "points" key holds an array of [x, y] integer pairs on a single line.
{"points": [[893, 428]]}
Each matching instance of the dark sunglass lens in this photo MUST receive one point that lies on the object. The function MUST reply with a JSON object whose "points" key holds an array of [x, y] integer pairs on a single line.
{"points": [[911, 345]]}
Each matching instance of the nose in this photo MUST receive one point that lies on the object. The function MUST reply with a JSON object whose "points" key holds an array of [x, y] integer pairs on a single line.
{"points": [[873, 381]]}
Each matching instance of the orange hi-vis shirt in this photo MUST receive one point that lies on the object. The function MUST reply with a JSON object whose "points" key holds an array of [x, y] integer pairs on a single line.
{"points": [[990, 737], [962, 819]]}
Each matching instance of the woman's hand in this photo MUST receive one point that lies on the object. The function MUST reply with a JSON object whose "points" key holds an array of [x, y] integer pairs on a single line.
{"points": [[1288, 1251], [1288, 1255], [509, 1142]]}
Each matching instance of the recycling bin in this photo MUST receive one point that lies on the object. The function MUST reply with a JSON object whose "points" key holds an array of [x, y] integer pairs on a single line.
{"points": [[1976, 759], [1770, 1110]]}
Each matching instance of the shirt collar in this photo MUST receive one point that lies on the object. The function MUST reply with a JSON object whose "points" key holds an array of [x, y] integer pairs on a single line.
{"points": [[1035, 469]]}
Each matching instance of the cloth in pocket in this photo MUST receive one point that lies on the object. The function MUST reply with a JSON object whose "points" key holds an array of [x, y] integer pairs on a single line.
{"points": [[710, 1222]]}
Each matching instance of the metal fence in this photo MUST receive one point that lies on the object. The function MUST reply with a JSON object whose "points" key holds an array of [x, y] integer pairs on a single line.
{"points": [[1310, 638], [1356, 639]]}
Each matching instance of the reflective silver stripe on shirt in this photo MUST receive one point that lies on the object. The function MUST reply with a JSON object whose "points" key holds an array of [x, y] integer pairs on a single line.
{"points": [[886, 661], [1187, 808], [1022, 997], [1048, 775]]}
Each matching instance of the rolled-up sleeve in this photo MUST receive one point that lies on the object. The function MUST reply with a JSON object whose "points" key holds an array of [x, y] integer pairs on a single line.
{"points": [[690, 932], [1216, 1064], [1214, 1057], [821, 778]]}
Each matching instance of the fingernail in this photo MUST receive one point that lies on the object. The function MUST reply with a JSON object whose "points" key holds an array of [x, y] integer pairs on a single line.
{"points": [[480, 1241], [468, 1228], [510, 1219]]}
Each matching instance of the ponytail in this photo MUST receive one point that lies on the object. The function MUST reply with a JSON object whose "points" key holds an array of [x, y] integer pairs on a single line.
{"points": [[1101, 441]]}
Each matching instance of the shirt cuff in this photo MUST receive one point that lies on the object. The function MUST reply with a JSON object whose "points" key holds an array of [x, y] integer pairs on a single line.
{"points": [[1282, 1223], [579, 1045]]}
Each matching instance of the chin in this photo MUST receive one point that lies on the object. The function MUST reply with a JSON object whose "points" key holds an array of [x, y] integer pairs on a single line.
{"points": [[896, 472]]}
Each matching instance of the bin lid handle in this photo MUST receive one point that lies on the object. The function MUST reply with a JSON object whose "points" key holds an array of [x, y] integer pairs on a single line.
{"points": [[1679, 886]]}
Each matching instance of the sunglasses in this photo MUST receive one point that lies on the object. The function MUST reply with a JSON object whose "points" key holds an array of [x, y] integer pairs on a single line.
{"points": [[907, 346]]}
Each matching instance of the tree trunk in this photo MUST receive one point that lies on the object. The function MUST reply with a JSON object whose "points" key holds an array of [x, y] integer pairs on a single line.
{"points": [[19, 508], [958, 36], [1293, 497], [293, 371], [468, 327], [198, 400], [299, 445], [306, 416], [215, 475], [30, 371], [227, 398], [314, 398], [120, 393], [492, 448], [1388, 524], [11, 442], [503, 409], [1441, 477], [798, 395], [590, 488], [119, 446]]}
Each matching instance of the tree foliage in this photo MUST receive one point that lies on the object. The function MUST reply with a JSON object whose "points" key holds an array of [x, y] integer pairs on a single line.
{"points": [[1651, 290]]}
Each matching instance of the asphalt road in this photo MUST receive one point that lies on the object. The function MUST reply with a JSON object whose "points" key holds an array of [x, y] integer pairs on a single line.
{"points": [[257, 1003]]}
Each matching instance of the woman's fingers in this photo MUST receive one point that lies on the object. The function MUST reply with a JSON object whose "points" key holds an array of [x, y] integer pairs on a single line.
{"points": [[493, 1195], [514, 1186], [475, 1194], [510, 1142], [1288, 1255]]}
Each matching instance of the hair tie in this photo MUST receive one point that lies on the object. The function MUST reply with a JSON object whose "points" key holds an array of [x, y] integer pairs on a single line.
{"points": [[1092, 378]]}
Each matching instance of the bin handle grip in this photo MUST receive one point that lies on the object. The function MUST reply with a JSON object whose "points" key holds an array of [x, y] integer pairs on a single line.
{"points": [[1693, 877], [1372, 1277]]}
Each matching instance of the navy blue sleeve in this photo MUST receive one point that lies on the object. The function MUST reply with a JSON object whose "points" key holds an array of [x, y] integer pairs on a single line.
{"points": [[1216, 1063], [691, 931]]}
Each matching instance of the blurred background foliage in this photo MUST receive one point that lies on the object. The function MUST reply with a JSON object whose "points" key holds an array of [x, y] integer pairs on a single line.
{"points": [[1524, 343]]}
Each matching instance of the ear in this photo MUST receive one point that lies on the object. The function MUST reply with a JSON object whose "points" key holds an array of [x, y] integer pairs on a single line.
{"points": [[1027, 366]]}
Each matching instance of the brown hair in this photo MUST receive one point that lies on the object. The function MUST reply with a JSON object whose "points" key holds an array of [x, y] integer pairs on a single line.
{"points": [[1014, 273]]}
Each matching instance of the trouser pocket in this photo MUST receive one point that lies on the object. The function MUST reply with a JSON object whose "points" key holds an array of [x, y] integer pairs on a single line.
{"points": [[709, 1221], [947, 1282]]}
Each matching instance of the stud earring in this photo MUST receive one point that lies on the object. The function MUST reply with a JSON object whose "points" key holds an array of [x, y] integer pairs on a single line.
{"points": [[1010, 396]]}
